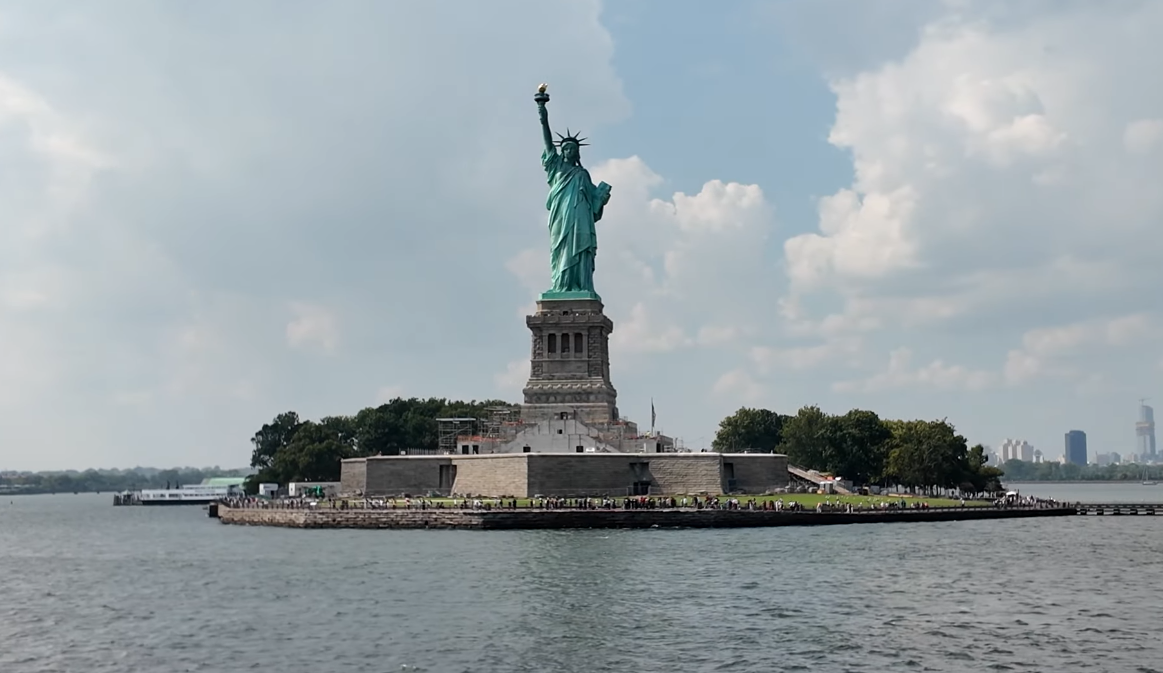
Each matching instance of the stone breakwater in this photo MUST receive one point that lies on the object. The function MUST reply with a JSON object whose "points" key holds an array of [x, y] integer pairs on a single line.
{"points": [[520, 519]]}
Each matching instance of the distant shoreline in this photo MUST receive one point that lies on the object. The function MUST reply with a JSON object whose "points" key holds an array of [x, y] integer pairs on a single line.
{"points": [[1073, 481]]}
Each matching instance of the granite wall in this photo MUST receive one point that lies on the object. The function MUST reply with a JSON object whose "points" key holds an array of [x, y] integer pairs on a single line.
{"points": [[562, 519], [685, 472], [399, 475], [755, 472], [565, 474], [350, 518], [581, 474], [497, 475], [353, 476]]}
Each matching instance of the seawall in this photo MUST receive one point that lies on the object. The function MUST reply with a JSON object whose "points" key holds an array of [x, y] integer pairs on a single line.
{"points": [[526, 519]]}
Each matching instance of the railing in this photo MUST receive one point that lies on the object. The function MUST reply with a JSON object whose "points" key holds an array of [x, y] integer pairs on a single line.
{"points": [[614, 503], [1118, 508]]}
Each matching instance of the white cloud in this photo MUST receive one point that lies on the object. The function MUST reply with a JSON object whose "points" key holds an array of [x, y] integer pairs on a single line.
{"points": [[1143, 135], [739, 386], [147, 197], [160, 214], [1020, 367], [386, 394], [863, 237], [313, 326], [641, 332], [844, 351], [948, 144], [717, 335], [1052, 351], [937, 375], [513, 379], [531, 267]]}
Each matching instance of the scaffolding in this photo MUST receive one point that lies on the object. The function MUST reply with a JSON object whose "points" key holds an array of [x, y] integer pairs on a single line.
{"points": [[500, 423], [448, 429]]}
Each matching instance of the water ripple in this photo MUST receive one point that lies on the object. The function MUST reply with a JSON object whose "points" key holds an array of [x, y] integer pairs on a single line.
{"points": [[89, 587]]}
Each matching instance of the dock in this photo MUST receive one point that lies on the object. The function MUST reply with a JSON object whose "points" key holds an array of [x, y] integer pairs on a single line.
{"points": [[543, 519], [1118, 509]]}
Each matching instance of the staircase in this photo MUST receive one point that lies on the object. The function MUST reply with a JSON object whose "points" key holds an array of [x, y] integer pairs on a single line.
{"points": [[813, 479]]}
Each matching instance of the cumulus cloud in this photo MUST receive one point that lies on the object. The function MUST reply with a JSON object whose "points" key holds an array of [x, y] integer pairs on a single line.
{"points": [[841, 351], [983, 152], [158, 224], [1055, 351], [203, 192], [998, 186], [739, 387], [900, 373], [1143, 135], [513, 379], [313, 326], [715, 335]]}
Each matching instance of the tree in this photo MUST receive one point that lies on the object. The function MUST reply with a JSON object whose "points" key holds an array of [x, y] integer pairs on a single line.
{"points": [[857, 446], [272, 437], [808, 438], [289, 449], [314, 454], [755, 429], [410, 423], [978, 476], [926, 454]]}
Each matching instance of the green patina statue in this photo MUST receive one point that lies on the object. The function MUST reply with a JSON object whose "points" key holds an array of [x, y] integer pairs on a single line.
{"points": [[574, 203]]}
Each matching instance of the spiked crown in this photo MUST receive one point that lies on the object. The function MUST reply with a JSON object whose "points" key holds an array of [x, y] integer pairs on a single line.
{"points": [[571, 138]]}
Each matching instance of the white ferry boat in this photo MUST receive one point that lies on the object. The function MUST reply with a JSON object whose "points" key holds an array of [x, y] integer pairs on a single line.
{"points": [[189, 494], [186, 495]]}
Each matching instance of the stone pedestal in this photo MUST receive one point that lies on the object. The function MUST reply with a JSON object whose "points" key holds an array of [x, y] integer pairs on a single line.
{"points": [[570, 363]]}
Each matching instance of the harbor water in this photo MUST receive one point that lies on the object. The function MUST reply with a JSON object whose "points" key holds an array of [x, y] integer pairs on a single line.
{"points": [[91, 587]]}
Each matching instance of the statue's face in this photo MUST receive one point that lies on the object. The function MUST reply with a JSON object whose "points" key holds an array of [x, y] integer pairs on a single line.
{"points": [[569, 152]]}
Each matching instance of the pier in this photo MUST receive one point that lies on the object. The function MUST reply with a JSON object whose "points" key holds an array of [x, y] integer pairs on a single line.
{"points": [[531, 519], [1118, 509]]}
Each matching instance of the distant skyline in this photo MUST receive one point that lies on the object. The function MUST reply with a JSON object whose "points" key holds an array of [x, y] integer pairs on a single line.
{"points": [[926, 208]]}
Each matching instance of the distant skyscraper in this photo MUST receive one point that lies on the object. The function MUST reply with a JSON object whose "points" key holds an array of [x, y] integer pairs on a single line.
{"points": [[1104, 459], [1145, 434], [1016, 449], [1076, 447]]}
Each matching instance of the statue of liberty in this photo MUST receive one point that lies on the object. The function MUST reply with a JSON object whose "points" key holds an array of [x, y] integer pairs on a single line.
{"points": [[574, 203]]}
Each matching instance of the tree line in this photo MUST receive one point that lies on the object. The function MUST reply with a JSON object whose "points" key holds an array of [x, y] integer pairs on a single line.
{"points": [[862, 447], [292, 449], [1020, 470], [101, 481]]}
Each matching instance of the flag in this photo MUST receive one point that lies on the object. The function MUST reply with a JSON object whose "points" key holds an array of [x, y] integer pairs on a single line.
{"points": [[653, 416]]}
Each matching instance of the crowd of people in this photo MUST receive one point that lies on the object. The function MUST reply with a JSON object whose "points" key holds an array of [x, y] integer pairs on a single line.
{"points": [[1015, 499], [696, 502]]}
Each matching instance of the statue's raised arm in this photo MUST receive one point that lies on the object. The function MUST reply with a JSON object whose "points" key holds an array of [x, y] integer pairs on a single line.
{"points": [[541, 98]]}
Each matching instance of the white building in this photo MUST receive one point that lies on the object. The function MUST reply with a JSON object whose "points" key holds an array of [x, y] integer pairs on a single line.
{"points": [[566, 433], [1016, 449]]}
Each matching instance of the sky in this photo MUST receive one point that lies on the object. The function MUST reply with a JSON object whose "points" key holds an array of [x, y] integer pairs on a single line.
{"points": [[214, 212]]}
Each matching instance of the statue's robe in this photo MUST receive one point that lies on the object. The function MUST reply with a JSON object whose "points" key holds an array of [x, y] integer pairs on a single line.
{"points": [[574, 203]]}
